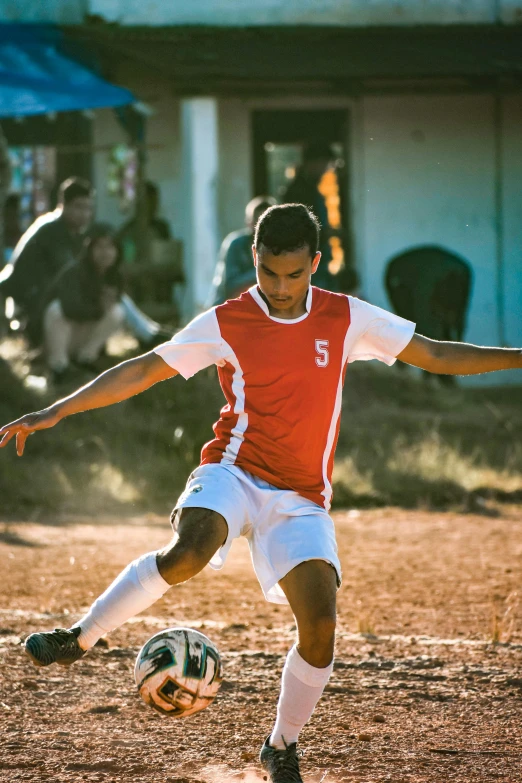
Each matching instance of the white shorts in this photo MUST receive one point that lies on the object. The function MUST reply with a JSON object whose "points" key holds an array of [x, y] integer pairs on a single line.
{"points": [[282, 528]]}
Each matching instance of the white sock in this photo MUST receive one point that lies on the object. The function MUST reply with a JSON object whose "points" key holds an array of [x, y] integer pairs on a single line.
{"points": [[135, 589], [301, 688]]}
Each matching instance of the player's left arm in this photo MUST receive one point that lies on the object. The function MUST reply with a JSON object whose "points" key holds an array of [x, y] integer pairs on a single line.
{"points": [[448, 358]]}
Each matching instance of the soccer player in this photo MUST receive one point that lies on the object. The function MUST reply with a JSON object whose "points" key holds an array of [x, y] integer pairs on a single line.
{"points": [[282, 350]]}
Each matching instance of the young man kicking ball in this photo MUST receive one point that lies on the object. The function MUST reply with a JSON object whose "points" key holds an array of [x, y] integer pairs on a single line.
{"points": [[282, 350]]}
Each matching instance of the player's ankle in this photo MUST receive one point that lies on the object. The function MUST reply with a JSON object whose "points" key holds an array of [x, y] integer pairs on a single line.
{"points": [[89, 634], [281, 741]]}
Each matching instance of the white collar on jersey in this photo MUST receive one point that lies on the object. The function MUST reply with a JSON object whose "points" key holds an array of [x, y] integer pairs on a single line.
{"points": [[256, 296]]}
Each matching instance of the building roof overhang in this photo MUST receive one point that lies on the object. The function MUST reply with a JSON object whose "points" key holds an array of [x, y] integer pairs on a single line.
{"points": [[240, 61]]}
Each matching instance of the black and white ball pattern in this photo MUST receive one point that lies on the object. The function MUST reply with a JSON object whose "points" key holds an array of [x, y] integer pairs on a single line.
{"points": [[178, 672]]}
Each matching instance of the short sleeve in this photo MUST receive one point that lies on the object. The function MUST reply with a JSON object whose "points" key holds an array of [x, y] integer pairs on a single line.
{"points": [[375, 333], [195, 347]]}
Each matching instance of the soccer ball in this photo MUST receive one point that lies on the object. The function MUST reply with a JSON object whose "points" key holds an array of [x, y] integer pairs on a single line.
{"points": [[178, 672]]}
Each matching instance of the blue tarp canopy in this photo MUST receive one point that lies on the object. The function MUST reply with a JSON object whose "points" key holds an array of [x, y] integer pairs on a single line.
{"points": [[37, 75]]}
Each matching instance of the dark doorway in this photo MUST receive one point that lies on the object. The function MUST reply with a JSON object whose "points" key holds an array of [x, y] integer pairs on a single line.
{"points": [[279, 138]]}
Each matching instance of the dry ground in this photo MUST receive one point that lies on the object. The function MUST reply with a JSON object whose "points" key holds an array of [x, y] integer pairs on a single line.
{"points": [[419, 692]]}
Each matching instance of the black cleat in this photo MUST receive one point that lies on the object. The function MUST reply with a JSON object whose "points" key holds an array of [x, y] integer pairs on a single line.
{"points": [[281, 765], [58, 646]]}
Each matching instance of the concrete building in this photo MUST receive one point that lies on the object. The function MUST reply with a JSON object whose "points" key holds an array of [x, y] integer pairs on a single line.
{"points": [[424, 101]]}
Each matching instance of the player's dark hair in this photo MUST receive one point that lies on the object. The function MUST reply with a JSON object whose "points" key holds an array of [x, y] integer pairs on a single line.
{"points": [[287, 227], [74, 187]]}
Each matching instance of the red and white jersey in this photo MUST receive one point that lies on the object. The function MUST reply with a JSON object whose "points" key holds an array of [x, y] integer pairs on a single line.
{"points": [[283, 380]]}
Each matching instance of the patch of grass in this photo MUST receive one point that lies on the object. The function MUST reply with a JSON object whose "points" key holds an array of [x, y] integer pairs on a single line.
{"points": [[402, 442], [365, 625], [409, 443], [504, 619]]}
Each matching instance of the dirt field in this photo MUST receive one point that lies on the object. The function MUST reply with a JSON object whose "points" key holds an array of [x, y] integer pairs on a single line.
{"points": [[419, 692]]}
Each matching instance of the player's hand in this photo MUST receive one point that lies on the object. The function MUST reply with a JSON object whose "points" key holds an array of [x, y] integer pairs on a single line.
{"points": [[22, 428]]}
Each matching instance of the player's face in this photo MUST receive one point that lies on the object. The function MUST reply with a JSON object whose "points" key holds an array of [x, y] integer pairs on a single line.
{"points": [[284, 280], [78, 213]]}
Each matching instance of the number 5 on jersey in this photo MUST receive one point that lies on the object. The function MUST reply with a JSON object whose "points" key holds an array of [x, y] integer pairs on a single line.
{"points": [[321, 348]]}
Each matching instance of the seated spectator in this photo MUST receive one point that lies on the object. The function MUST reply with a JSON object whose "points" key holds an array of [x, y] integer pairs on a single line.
{"points": [[50, 244], [235, 271], [84, 305], [156, 227]]}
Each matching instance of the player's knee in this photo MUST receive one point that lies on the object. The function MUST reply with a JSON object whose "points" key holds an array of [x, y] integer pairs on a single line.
{"points": [[180, 562], [200, 530], [200, 533]]}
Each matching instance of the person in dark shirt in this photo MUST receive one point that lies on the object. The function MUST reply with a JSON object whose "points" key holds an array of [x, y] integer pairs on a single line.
{"points": [[304, 189], [156, 227], [235, 271], [84, 304], [52, 242]]}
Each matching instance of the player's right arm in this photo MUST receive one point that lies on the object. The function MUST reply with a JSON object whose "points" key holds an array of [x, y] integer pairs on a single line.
{"points": [[119, 383]]}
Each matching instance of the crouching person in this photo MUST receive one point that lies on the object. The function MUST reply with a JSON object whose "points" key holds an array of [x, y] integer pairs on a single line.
{"points": [[84, 305]]}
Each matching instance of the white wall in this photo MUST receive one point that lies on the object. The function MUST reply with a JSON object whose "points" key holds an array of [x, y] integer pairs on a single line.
{"points": [[235, 164], [313, 12], [165, 164], [265, 12], [163, 160], [512, 208], [106, 132], [59, 11], [429, 177], [510, 11]]}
